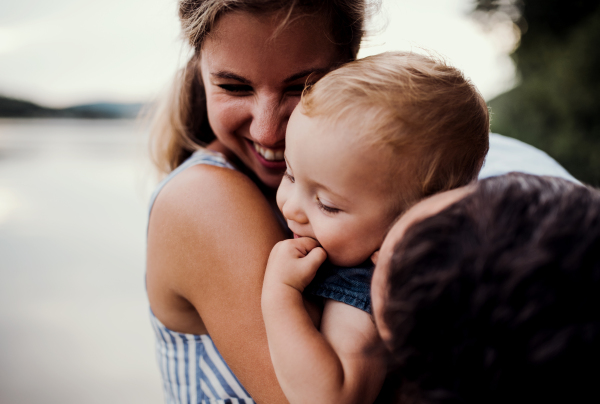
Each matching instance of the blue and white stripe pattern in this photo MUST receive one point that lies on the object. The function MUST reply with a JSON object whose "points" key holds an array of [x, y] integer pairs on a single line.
{"points": [[193, 371]]}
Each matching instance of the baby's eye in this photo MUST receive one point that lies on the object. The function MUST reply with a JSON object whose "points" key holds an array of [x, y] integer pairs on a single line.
{"points": [[289, 176], [236, 88], [325, 208]]}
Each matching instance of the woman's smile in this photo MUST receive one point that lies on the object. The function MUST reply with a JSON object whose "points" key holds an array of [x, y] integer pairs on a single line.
{"points": [[253, 80], [270, 158]]}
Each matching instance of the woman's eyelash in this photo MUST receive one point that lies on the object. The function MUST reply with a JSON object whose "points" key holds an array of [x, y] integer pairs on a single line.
{"points": [[326, 208], [297, 88], [290, 177], [236, 88], [240, 88]]}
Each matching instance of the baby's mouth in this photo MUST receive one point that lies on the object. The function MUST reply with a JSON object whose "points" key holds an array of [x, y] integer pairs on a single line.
{"points": [[268, 154], [298, 236]]}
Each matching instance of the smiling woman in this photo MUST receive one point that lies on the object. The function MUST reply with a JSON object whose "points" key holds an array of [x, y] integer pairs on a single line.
{"points": [[249, 98], [213, 221]]}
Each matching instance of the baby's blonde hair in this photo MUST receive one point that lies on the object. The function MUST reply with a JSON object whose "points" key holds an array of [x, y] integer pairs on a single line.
{"points": [[430, 116]]}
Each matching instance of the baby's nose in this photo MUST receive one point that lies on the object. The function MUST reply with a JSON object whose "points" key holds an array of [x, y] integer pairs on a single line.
{"points": [[292, 210]]}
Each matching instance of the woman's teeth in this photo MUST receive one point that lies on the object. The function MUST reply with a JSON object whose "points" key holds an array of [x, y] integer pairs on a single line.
{"points": [[269, 154]]}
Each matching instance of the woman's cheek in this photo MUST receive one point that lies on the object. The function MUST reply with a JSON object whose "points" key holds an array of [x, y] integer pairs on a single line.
{"points": [[226, 116]]}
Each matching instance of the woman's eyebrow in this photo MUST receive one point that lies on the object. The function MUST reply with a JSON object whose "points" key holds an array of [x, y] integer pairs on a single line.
{"points": [[304, 73], [230, 76]]}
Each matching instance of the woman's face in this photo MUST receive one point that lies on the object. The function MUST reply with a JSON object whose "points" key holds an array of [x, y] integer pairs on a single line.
{"points": [[382, 260], [254, 79]]}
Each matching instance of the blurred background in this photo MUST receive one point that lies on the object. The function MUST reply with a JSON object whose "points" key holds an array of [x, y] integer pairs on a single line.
{"points": [[75, 177]]}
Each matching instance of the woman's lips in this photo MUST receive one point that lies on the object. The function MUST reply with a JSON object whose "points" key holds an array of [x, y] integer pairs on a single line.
{"points": [[268, 158]]}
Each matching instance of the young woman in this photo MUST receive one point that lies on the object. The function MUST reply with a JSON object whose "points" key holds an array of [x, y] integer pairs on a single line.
{"points": [[213, 221]]}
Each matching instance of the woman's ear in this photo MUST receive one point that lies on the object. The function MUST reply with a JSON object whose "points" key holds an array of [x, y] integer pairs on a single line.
{"points": [[374, 257]]}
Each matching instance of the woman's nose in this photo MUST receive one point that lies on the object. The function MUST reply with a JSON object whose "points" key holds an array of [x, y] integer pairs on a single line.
{"points": [[269, 120]]}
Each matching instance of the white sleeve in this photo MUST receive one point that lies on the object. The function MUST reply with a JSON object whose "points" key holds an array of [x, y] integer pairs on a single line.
{"points": [[507, 154]]}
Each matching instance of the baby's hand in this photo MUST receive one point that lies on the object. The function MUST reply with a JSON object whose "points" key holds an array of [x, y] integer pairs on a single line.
{"points": [[295, 262]]}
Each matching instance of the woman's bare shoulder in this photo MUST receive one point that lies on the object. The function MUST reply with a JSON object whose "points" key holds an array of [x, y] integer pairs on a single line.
{"points": [[213, 197], [217, 210], [203, 187], [210, 234]]}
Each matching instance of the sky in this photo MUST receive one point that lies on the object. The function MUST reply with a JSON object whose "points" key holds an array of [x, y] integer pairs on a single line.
{"points": [[67, 52]]}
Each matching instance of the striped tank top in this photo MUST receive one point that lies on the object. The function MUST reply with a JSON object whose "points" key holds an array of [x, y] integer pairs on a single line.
{"points": [[191, 367]]}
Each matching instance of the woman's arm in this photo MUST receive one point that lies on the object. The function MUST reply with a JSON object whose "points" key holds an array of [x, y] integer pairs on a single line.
{"points": [[210, 235], [330, 365]]}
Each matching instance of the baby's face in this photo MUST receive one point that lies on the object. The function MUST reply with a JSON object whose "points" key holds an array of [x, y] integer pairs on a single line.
{"points": [[336, 189]]}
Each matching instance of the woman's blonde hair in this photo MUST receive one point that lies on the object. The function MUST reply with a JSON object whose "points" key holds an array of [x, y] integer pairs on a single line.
{"points": [[180, 124], [433, 120]]}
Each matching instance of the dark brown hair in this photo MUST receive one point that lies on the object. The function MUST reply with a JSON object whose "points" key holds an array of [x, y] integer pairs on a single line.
{"points": [[495, 299]]}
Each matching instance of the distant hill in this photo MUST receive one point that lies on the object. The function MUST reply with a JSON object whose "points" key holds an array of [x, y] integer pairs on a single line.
{"points": [[13, 108]]}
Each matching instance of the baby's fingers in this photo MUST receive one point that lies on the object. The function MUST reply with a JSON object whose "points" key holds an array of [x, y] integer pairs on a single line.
{"points": [[316, 256], [305, 244], [307, 267]]}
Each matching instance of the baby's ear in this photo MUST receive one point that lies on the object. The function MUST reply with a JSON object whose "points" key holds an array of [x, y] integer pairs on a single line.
{"points": [[374, 257]]}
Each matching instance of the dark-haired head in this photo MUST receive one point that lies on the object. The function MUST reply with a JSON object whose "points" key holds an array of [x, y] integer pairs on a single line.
{"points": [[496, 298]]}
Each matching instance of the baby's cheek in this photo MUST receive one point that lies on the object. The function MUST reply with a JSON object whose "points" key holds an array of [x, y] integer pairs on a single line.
{"points": [[331, 243], [281, 195], [346, 249]]}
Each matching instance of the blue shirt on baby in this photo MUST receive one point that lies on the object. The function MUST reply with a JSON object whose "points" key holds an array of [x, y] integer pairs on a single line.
{"points": [[347, 285]]}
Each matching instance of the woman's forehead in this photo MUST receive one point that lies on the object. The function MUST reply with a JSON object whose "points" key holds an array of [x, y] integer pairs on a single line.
{"points": [[243, 38]]}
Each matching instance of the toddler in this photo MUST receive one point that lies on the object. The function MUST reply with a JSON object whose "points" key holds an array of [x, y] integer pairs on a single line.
{"points": [[367, 141]]}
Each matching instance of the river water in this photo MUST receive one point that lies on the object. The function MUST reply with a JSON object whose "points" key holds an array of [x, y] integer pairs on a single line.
{"points": [[74, 322]]}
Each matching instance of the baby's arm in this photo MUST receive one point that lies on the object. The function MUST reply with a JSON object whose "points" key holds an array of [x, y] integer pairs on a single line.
{"points": [[313, 367]]}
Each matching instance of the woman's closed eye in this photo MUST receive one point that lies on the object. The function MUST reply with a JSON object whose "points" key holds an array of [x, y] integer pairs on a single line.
{"points": [[236, 88], [244, 88], [326, 208], [298, 88]]}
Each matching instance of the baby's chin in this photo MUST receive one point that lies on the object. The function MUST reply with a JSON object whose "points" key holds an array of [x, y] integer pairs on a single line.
{"points": [[345, 262]]}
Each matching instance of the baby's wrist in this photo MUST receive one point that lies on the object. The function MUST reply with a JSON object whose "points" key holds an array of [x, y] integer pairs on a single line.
{"points": [[274, 281], [278, 296], [280, 287]]}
